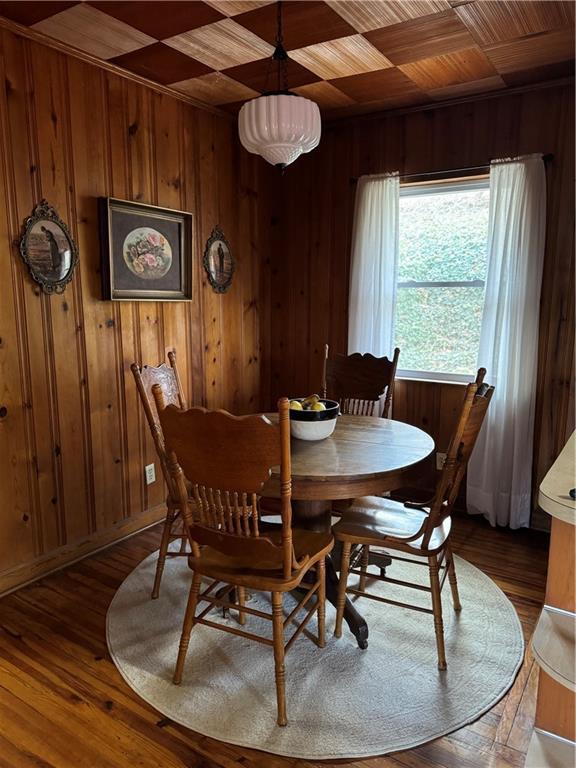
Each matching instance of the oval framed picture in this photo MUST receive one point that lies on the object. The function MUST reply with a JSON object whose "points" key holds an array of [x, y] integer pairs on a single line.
{"points": [[48, 249], [218, 261]]}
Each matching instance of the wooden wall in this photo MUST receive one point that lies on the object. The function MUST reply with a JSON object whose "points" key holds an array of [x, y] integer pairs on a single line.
{"points": [[73, 443], [309, 276]]}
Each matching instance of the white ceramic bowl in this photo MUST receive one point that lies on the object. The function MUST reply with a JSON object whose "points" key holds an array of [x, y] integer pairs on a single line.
{"points": [[314, 425], [312, 430]]}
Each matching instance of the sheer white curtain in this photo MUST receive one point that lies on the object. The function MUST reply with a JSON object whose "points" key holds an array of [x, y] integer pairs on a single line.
{"points": [[374, 265], [500, 471]]}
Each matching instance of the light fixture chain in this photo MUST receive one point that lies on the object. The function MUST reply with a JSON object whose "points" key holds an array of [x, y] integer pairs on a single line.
{"points": [[280, 55], [279, 37]]}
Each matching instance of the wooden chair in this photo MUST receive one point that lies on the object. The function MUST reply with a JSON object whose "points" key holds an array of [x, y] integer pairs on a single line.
{"points": [[169, 381], [421, 530], [359, 382], [227, 459]]}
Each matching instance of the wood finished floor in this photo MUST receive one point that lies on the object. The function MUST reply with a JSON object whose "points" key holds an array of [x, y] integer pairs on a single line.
{"points": [[64, 705]]}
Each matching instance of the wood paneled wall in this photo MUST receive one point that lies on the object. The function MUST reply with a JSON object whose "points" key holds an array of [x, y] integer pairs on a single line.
{"points": [[309, 275], [73, 442]]}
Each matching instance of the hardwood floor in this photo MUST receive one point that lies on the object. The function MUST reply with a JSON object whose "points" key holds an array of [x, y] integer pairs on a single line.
{"points": [[64, 705]]}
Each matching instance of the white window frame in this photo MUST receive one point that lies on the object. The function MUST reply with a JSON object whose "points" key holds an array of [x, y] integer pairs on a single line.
{"points": [[440, 187]]}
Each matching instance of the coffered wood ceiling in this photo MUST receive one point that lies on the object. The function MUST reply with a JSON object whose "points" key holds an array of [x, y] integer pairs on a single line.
{"points": [[350, 56]]}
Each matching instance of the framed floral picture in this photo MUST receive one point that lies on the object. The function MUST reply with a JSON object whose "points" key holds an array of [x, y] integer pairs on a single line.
{"points": [[146, 252]]}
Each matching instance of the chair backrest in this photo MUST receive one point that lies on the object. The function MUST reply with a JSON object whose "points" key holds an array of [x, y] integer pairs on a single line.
{"points": [[359, 382], [476, 402], [168, 379], [227, 459]]}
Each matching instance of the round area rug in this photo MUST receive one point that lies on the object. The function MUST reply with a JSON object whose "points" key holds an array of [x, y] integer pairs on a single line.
{"points": [[342, 702]]}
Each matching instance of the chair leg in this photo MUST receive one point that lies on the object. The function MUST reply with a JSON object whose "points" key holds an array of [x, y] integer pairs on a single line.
{"points": [[437, 608], [278, 640], [364, 567], [241, 594], [162, 554], [187, 628], [341, 601], [452, 579], [321, 597], [183, 540]]}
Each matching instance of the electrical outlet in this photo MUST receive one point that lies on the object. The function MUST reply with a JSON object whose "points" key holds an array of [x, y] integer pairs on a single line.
{"points": [[150, 472], [440, 459]]}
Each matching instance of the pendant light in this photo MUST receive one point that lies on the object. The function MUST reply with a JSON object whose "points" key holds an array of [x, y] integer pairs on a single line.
{"points": [[279, 125]]}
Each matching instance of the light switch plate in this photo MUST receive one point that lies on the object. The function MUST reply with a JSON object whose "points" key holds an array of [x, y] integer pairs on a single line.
{"points": [[150, 473]]}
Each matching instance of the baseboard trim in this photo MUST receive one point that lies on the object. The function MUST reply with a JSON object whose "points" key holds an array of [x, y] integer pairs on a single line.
{"points": [[19, 577]]}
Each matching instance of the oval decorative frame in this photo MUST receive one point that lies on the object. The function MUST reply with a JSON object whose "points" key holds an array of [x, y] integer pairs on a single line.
{"points": [[222, 283], [45, 212]]}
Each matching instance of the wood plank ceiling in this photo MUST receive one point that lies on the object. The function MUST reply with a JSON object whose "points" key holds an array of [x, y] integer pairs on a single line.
{"points": [[349, 56]]}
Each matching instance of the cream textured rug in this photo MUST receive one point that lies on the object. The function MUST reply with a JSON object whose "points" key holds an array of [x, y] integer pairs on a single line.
{"points": [[342, 702]]}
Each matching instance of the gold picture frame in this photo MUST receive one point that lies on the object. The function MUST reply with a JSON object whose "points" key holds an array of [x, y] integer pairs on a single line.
{"points": [[146, 252]]}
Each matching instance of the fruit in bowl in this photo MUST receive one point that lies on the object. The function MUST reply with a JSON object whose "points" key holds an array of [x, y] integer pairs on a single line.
{"points": [[310, 403], [313, 417]]}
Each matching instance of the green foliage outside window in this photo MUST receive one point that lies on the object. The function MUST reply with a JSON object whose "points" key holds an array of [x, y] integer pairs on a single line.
{"points": [[443, 237]]}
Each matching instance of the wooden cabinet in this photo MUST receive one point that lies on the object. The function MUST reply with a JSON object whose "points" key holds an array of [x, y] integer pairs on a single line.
{"points": [[553, 740]]}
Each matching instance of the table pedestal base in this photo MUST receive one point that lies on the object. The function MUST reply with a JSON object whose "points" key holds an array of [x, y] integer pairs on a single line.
{"points": [[317, 516]]}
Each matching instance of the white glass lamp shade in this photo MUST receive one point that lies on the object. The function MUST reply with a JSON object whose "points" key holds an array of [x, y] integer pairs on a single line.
{"points": [[279, 127]]}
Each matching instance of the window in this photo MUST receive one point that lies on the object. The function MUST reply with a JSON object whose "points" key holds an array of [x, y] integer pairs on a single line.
{"points": [[441, 273]]}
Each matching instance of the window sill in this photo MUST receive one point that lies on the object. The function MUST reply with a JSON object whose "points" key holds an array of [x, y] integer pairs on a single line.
{"points": [[438, 380]]}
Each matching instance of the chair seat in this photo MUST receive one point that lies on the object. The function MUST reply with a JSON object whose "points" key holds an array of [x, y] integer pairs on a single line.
{"points": [[243, 571], [371, 519]]}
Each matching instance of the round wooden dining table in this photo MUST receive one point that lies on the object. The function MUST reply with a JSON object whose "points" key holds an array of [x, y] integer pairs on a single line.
{"points": [[365, 455]]}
